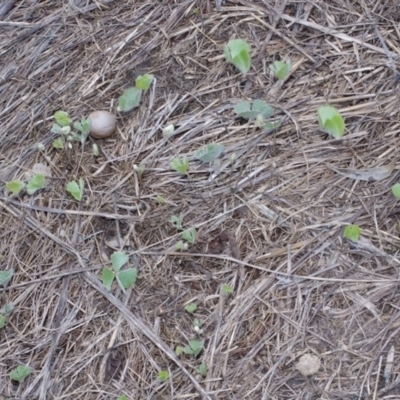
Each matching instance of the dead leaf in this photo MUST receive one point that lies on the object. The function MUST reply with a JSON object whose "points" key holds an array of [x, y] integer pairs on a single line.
{"points": [[375, 174]]}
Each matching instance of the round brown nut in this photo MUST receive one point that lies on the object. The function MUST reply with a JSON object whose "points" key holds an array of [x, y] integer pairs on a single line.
{"points": [[102, 124]]}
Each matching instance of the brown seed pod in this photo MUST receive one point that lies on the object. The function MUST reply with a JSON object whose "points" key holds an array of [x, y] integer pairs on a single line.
{"points": [[102, 124]]}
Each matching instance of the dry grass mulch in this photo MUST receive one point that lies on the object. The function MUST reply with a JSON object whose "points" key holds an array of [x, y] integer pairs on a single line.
{"points": [[269, 218]]}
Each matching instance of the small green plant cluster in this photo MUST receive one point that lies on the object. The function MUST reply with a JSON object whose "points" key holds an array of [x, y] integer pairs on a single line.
{"points": [[131, 97], [352, 232], [237, 52], [68, 135], [20, 373], [125, 278], [189, 234], [194, 348], [36, 183]]}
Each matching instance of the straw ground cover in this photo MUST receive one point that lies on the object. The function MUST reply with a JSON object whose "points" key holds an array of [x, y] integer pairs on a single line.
{"points": [[269, 220]]}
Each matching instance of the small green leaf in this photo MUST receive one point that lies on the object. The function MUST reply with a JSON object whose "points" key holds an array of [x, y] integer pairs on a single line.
{"points": [[57, 129], [196, 323], [191, 308], [130, 99], [237, 52], [163, 375], [270, 125], [280, 69], [15, 187], [331, 121], [7, 309], [75, 189], [5, 277], [127, 277], [396, 190], [352, 232], [36, 183], [20, 373], [189, 235], [122, 398], [118, 259], [202, 370], [180, 246], [160, 199], [108, 278], [187, 350], [178, 350], [210, 152], [58, 143], [143, 82], [227, 289], [196, 346], [177, 221], [83, 126], [3, 321], [253, 109], [62, 118], [180, 165]]}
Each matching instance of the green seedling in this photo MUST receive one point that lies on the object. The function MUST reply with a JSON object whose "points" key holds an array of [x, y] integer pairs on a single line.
{"points": [[226, 289], [3, 321], [209, 153], [396, 190], [5, 277], [331, 121], [38, 182], [195, 347], [20, 373], [281, 69], [15, 187], [191, 308], [75, 189], [189, 235], [237, 52], [352, 232], [180, 246], [63, 128], [139, 168], [125, 278], [202, 370], [253, 109], [160, 199], [177, 220], [122, 398], [143, 82], [163, 375], [130, 99], [180, 165]]}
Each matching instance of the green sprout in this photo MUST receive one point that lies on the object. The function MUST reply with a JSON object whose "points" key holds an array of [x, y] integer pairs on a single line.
{"points": [[209, 153], [125, 278], [189, 235], [163, 375], [352, 232], [191, 308], [396, 190], [20, 373], [331, 121], [281, 69], [75, 189], [237, 52], [180, 165]]}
